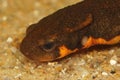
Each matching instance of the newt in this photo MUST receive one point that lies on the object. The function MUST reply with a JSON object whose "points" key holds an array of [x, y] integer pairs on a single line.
{"points": [[73, 28]]}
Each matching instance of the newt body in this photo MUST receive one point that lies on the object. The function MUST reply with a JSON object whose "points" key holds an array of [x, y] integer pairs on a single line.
{"points": [[76, 27]]}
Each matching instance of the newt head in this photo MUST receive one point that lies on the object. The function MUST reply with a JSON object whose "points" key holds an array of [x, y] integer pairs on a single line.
{"points": [[46, 44], [75, 27], [48, 41], [55, 36]]}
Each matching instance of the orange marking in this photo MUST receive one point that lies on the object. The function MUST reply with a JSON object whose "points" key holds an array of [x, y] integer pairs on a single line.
{"points": [[65, 51], [92, 41], [87, 21]]}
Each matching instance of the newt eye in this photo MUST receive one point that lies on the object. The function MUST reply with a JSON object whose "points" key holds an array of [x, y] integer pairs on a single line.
{"points": [[48, 47]]}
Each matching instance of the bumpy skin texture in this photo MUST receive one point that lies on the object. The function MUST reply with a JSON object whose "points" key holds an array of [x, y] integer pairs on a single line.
{"points": [[67, 27]]}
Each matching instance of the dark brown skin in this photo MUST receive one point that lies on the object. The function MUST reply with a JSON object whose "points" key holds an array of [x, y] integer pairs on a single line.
{"points": [[73, 28]]}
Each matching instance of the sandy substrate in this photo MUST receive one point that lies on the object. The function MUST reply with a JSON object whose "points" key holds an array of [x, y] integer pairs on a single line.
{"points": [[16, 16]]}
